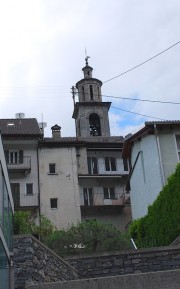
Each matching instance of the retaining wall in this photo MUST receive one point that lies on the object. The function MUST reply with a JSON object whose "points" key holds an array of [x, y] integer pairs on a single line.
{"points": [[35, 263], [127, 262]]}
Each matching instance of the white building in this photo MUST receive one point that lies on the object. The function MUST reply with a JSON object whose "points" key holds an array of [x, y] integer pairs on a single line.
{"points": [[20, 138], [153, 153]]}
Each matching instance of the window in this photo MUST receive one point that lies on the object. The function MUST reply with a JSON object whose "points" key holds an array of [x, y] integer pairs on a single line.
{"points": [[15, 188], [110, 164], [178, 145], [52, 168], [14, 156], [83, 93], [29, 189], [94, 124], [91, 92], [92, 165], [109, 193], [88, 196], [53, 203]]}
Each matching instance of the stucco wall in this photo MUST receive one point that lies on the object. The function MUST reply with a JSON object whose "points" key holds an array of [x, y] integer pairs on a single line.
{"points": [[168, 152], [63, 185], [146, 180]]}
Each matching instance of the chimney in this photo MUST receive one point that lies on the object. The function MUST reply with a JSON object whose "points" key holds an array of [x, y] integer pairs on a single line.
{"points": [[56, 131]]}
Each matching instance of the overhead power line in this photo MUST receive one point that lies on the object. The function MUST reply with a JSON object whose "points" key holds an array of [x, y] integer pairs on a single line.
{"points": [[137, 99], [142, 63], [150, 116]]}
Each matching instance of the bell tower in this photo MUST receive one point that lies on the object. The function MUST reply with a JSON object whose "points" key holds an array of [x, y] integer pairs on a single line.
{"points": [[90, 113]]}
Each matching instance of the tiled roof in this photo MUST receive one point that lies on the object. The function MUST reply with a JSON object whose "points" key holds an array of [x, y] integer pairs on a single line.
{"points": [[97, 139], [86, 139], [163, 122], [19, 126]]}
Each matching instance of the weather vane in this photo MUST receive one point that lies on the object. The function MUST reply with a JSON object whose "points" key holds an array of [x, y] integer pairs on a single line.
{"points": [[86, 59]]}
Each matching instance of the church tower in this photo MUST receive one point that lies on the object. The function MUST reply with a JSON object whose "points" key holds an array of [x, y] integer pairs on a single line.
{"points": [[90, 113]]}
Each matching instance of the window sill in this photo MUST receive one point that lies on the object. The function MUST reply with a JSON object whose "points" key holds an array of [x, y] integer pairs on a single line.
{"points": [[54, 174]]}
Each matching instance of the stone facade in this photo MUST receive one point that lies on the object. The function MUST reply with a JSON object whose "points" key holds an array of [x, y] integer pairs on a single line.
{"points": [[35, 263], [127, 262]]}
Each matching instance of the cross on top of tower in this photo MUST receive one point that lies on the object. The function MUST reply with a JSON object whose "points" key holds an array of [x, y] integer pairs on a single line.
{"points": [[86, 59]]}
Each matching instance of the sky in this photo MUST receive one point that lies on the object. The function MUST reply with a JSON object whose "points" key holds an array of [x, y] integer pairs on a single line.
{"points": [[42, 53]]}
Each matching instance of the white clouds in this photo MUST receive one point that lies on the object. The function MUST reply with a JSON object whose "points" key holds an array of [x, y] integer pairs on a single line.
{"points": [[42, 50]]}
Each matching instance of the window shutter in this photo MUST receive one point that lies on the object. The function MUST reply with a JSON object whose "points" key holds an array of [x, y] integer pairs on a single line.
{"points": [[21, 157], [6, 152]]}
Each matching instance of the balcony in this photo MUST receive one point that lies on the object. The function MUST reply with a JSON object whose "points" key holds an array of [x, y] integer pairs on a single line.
{"points": [[22, 201], [24, 166], [96, 200]]}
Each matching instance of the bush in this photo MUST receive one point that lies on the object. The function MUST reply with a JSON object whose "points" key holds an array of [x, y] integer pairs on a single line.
{"points": [[162, 223], [87, 237]]}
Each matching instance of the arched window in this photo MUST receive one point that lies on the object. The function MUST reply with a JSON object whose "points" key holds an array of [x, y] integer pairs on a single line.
{"points": [[94, 124], [91, 92], [98, 90], [83, 93]]}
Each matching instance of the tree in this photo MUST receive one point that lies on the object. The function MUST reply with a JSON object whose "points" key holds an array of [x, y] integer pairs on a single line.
{"points": [[88, 236], [25, 223]]}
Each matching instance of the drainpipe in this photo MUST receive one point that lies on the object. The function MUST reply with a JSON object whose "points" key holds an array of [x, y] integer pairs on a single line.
{"points": [[159, 155]]}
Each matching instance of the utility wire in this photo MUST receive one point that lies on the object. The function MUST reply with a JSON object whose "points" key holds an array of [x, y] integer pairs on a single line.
{"points": [[137, 99], [137, 113], [142, 63]]}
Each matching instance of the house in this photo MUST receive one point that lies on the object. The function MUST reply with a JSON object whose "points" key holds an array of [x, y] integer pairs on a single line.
{"points": [[153, 153], [20, 139], [6, 225], [83, 177]]}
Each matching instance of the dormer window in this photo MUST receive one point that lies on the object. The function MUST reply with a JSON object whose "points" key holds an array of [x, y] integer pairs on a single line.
{"points": [[10, 124]]}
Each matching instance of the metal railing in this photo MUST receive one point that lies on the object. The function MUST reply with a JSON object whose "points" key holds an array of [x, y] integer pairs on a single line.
{"points": [[98, 199], [24, 165], [22, 200]]}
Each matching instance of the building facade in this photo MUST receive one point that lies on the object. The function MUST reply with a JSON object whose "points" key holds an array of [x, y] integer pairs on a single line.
{"points": [[83, 177], [20, 138], [6, 225], [153, 153]]}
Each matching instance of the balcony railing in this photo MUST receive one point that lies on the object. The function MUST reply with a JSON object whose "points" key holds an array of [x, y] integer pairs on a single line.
{"points": [[25, 165], [97, 199], [23, 201]]}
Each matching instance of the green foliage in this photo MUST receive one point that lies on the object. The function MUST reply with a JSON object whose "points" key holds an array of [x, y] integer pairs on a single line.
{"points": [[87, 237], [162, 223], [25, 223]]}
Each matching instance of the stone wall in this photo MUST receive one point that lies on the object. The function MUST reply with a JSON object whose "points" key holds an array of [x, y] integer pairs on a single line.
{"points": [[35, 263], [152, 280], [127, 262]]}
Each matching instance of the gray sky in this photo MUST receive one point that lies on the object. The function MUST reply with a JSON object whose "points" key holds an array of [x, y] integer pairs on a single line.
{"points": [[42, 51]]}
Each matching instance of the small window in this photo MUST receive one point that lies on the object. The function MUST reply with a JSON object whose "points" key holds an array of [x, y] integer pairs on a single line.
{"points": [[110, 164], [178, 145], [91, 92], [52, 168], [109, 193], [29, 189], [53, 203], [92, 165]]}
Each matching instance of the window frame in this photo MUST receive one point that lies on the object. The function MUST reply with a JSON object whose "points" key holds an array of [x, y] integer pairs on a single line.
{"points": [[51, 203], [178, 145], [111, 193], [29, 186], [92, 163], [53, 172], [110, 164]]}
